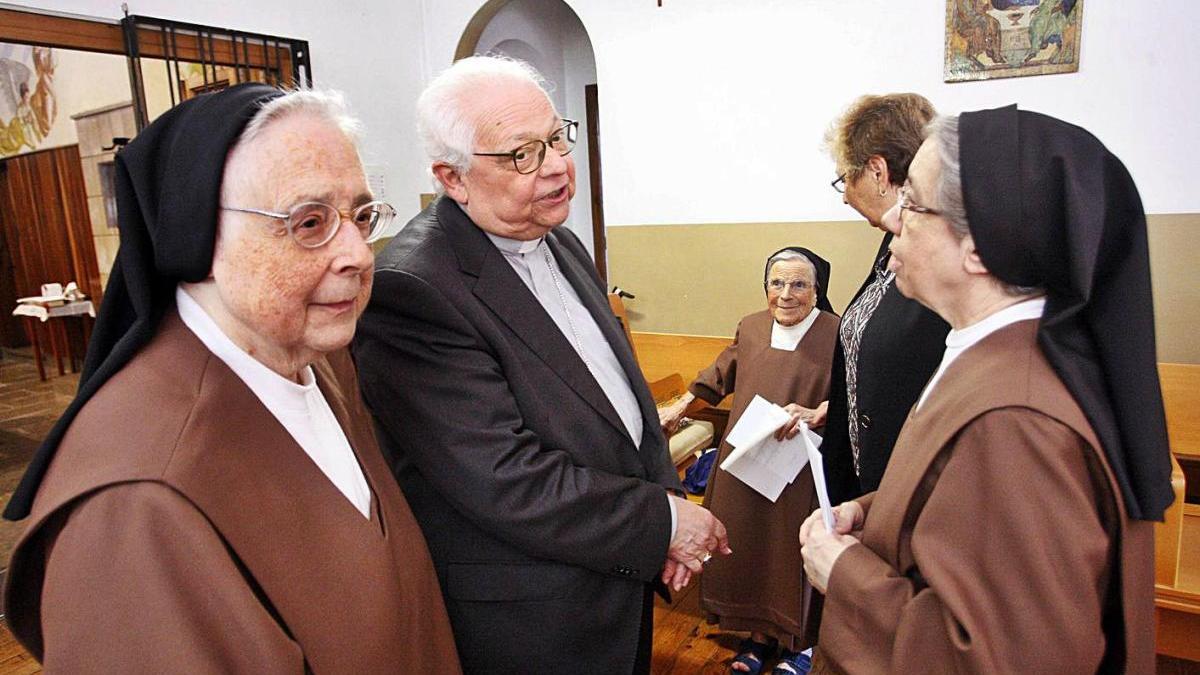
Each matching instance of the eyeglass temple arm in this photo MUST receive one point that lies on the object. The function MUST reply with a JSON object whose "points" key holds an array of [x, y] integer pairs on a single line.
{"points": [[260, 212]]}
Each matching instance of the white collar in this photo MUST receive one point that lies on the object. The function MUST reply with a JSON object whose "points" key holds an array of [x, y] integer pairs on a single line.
{"points": [[1026, 309], [514, 246], [959, 341], [268, 385], [788, 338]]}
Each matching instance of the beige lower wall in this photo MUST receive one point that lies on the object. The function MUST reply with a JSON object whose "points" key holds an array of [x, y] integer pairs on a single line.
{"points": [[700, 279]]}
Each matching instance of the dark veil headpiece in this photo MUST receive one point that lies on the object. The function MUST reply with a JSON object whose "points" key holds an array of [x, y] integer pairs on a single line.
{"points": [[168, 195], [1049, 206], [818, 262]]}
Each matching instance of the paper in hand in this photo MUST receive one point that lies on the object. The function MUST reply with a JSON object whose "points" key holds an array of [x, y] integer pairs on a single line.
{"points": [[811, 441], [758, 460]]}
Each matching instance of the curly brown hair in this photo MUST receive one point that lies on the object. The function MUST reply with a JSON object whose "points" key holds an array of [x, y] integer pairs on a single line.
{"points": [[891, 126]]}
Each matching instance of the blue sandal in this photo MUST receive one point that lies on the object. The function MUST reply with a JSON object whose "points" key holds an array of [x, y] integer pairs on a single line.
{"points": [[792, 663], [752, 655]]}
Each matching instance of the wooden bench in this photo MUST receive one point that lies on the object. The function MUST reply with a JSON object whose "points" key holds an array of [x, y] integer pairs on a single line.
{"points": [[1177, 539]]}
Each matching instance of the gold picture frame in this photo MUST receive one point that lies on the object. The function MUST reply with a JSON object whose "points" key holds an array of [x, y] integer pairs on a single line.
{"points": [[989, 39]]}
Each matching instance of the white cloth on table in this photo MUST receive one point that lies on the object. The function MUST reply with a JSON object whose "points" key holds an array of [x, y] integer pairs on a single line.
{"points": [[43, 313]]}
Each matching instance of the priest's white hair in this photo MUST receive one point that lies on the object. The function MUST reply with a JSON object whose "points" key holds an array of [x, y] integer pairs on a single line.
{"points": [[443, 124]]}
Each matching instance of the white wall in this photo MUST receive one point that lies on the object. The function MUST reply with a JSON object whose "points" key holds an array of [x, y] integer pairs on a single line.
{"points": [[714, 111], [369, 49]]}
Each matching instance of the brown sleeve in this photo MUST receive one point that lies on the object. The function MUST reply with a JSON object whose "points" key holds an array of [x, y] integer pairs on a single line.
{"points": [[1012, 564], [137, 580], [865, 502], [717, 381]]}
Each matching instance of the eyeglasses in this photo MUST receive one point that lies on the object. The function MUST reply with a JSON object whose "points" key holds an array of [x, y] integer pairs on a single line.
{"points": [[905, 202], [839, 183], [529, 157], [313, 224], [778, 285]]}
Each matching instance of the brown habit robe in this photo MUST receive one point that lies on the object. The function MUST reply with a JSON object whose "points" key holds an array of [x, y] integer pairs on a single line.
{"points": [[180, 528], [761, 586], [998, 541]]}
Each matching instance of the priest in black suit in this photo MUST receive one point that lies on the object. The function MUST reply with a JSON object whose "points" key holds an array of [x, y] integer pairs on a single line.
{"points": [[509, 403]]}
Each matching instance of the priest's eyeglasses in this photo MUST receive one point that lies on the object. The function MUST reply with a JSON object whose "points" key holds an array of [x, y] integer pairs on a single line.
{"points": [[314, 224], [529, 157]]}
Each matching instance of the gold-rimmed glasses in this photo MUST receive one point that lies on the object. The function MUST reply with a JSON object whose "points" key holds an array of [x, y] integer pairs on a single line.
{"points": [[529, 157]]}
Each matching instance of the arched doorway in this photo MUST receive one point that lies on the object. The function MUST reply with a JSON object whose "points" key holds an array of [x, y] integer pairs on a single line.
{"points": [[549, 35]]}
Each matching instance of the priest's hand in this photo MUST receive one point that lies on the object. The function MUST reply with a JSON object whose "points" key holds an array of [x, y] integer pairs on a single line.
{"points": [[675, 575], [698, 536]]}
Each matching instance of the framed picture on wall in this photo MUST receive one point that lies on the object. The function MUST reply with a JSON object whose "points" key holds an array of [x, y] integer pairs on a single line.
{"points": [[988, 39]]}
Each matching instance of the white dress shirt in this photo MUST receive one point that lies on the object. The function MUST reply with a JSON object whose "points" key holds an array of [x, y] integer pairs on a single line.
{"points": [[300, 408], [959, 341], [535, 265]]}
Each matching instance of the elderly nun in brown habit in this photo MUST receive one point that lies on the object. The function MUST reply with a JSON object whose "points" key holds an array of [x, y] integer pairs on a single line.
{"points": [[1012, 530], [213, 500], [782, 353]]}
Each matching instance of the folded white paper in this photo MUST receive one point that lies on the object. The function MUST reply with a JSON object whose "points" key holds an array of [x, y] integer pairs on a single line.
{"points": [[758, 460]]}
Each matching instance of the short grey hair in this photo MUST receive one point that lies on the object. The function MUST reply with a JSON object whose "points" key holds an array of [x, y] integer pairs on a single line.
{"points": [[943, 129], [790, 255], [443, 126], [328, 104]]}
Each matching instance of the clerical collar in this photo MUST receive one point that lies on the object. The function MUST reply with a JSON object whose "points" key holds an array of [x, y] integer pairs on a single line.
{"points": [[788, 338], [514, 246]]}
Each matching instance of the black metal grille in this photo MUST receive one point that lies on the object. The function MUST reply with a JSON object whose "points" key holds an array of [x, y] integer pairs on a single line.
{"points": [[224, 57]]}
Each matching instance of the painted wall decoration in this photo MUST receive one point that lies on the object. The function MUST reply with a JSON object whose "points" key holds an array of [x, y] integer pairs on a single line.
{"points": [[28, 105], [987, 39]]}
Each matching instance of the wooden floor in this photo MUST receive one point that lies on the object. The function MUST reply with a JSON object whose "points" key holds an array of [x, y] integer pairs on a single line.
{"points": [[13, 659], [28, 408], [684, 643]]}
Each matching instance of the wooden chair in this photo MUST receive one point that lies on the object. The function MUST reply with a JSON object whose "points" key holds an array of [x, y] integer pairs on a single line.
{"points": [[693, 435], [1177, 539]]}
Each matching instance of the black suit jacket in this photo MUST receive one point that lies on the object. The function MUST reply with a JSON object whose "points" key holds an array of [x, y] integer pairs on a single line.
{"points": [[900, 349], [544, 520]]}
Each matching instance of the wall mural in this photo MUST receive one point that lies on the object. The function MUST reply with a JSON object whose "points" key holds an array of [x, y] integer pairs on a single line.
{"points": [[28, 106], [987, 39]]}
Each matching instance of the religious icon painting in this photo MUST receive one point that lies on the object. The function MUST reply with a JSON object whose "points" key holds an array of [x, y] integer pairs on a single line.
{"points": [[988, 39], [27, 102]]}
